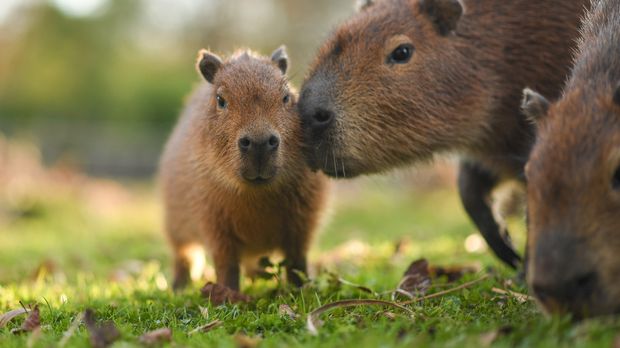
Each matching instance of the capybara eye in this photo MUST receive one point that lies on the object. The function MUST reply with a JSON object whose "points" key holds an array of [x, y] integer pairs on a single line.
{"points": [[402, 54], [615, 182], [221, 102], [286, 99]]}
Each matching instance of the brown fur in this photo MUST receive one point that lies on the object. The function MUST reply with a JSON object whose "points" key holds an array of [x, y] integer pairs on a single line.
{"points": [[573, 178], [459, 92], [209, 202]]}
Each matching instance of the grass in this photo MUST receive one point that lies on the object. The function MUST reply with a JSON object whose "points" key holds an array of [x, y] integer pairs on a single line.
{"points": [[80, 243]]}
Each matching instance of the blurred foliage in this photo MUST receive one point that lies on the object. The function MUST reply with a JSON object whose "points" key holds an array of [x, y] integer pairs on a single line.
{"points": [[103, 89]]}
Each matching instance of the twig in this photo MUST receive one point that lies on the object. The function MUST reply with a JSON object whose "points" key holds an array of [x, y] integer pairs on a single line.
{"points": [[517, 295], [445, 292], [315, 314]]}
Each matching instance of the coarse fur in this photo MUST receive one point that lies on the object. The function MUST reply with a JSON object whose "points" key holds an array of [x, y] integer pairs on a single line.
{"points": [[223, 195], [574, 178], [458, 93]]}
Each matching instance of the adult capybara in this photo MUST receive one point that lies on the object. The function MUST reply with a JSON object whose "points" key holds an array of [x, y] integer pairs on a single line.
{"points": [[573, 176], [403, 80], [234, 179]]}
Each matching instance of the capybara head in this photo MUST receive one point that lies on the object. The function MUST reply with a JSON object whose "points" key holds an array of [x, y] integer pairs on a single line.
{"points": [[573, 200], [252, 129], [381, 86]]}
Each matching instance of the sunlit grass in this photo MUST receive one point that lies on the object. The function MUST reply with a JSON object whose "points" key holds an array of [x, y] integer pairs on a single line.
{"points": [[99, 245]]}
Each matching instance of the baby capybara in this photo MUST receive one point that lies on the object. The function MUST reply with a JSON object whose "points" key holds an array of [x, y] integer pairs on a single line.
{"points": [[234, 179], [404, 80], [573, 176]]}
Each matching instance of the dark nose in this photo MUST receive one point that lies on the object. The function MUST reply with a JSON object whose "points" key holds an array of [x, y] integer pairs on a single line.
{"points": [[315, 110], [562, 272], [259, 146]]}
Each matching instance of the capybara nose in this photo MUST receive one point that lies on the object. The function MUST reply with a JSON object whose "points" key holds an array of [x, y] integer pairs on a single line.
{"points": [[314, 106], [322, 119], [259, 146], [567, 291]]}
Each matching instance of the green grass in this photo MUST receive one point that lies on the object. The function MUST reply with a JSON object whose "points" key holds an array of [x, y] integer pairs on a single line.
{"points": [[98, 245]]}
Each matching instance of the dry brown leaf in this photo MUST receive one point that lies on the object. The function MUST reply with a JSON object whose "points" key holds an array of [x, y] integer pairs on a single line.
{"points": [[313, 317], [220, 294], [207, 327], [447, 291], [32, 322], [101, 334], [452, 273], [156, 337], [8, 316], [286, 310], [416, 281], [244, 341]]}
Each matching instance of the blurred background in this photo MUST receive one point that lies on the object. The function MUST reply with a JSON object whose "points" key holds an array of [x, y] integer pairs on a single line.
{"points": [[89, 90]]}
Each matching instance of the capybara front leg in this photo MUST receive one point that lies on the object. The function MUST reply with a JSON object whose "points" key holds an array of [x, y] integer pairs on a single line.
{"points": [[475, 186], [227, 268]]}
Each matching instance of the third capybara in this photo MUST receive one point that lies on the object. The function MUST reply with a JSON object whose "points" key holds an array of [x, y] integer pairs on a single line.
{"points": [[404, 80], [233, 177], [574, 178]]}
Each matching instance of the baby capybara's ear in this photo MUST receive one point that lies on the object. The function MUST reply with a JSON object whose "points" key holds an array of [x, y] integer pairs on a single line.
{"points": [[280, 57], [361, 5], [208, 64], [445, 14], [617, 94], [534, 105]]}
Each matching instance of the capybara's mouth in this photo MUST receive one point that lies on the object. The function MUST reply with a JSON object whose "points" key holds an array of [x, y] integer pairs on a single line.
{"points": [[259, 181]]}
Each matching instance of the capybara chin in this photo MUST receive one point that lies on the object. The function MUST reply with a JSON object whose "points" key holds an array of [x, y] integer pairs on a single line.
{"points": [[233, 177], [404, 80], [573, 176]]}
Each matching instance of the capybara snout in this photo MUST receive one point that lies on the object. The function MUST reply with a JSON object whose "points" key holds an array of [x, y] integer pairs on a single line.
{"points": [[566, 277], [258, 156]]}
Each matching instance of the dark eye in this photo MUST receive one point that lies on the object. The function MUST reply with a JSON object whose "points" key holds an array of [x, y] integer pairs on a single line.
{"points": [[221, 102], [615, 182], [286, 99], [401, 55]]}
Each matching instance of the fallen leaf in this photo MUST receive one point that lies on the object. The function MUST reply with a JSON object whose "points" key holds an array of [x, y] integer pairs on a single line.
{"points": [[313, 318], [286, 310], [207, 327], [101, 334], [156, 337], [32, 322], [416, 281], [8, 316], [220, 294], [452, 273], [244, 341]]}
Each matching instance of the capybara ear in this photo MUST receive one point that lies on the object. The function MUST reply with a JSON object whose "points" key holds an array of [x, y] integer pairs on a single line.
{"points": [[534, 105], [361, 5], [617, 94], [280, 57], [208, 64], [445, 14]]}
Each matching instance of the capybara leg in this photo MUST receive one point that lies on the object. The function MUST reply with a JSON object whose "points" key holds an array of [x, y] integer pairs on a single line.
{"points": [[227, 269], [475, 186], [182, 268], [294, 265]]}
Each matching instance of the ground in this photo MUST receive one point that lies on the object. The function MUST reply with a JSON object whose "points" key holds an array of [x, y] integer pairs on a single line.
{"points": [[68, 242]]}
